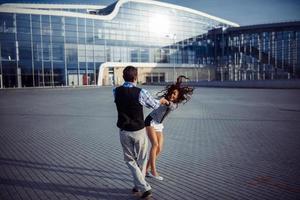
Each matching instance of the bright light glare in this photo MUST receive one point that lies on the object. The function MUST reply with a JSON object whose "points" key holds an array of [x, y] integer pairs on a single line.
{"points": [[159, 25]]}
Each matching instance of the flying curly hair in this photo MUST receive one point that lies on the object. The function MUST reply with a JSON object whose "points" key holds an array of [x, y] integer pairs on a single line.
{"points": [[184, 92]]}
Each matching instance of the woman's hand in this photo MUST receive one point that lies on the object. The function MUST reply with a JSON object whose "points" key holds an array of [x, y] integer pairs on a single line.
{"points": [[164, 101]]}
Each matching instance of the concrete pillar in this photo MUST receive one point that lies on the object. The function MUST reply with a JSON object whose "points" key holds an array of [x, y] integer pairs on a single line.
{"points": [[222, 75], [19, 75], [1, 81]]}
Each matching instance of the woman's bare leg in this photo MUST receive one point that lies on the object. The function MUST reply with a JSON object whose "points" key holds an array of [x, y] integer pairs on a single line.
{"points": [[160, 140], [153, 151]]}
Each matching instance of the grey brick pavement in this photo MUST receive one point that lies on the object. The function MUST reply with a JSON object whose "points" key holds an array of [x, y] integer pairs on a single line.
{"points": [[223, 144]]}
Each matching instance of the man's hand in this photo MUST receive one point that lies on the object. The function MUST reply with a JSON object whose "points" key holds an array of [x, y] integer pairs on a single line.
{"points": [[164, 101]]}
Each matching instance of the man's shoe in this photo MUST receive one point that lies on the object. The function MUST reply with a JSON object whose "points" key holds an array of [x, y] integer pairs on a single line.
{"points": [[148, 174], [134, 190], [146, 194]]}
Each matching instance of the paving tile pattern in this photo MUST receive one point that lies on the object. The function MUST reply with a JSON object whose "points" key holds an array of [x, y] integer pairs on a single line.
{"points": [[224, 144]]}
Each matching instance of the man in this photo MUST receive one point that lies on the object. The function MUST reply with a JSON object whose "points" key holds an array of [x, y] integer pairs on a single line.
{"points": [[130, 100]]}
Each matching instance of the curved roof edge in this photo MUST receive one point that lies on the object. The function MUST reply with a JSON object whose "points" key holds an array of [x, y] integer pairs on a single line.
{"points": [[42, 5], [107, 10], [3, 8], [185, 9]]}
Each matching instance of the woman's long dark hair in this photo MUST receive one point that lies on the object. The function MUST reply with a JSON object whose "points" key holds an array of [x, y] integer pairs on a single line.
{"points": [[185, 92]]}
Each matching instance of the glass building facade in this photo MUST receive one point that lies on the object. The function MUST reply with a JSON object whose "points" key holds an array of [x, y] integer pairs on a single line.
{"points": [[44, 45], [258, 52]]}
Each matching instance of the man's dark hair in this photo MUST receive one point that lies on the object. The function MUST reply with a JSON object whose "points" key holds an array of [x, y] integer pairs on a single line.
{"points": [[130, 73]]}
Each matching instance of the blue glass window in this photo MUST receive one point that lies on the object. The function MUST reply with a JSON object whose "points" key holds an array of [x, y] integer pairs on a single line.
{"points": [[71, 53], [58, 51], [46, 51], [37, 51], [8, 51], [7, 23]]}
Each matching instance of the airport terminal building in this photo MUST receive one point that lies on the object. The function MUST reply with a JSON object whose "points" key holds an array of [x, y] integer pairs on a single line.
{"points": [[47, 45], [63, 45], [256, 52]]}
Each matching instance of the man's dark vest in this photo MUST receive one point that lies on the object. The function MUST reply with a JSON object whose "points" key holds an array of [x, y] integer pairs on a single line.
{"points": [[130, 111]]}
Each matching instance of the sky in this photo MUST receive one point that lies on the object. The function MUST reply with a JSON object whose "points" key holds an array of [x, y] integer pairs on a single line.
{"points": [[243, 12]]}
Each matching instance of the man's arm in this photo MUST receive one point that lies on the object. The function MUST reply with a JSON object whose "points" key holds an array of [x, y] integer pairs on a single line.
{"points": [[148, 101]]}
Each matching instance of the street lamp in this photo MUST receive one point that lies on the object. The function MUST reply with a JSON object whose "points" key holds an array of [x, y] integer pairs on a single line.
{"points": [[173, 38]]}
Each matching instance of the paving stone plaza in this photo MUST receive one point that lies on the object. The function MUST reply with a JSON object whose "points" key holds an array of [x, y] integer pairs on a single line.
{"points": [[225, 144]]}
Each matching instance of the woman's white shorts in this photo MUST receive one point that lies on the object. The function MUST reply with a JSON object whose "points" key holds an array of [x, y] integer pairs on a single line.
{"points": [[157, 126]]}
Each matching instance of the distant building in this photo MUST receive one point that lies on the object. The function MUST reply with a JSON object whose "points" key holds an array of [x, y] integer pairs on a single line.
{"points": [[65, 45], [73, 45], [258, 52]]}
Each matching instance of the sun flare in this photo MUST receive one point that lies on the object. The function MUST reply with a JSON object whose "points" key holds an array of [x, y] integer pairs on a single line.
{"points": [[159, 25]]}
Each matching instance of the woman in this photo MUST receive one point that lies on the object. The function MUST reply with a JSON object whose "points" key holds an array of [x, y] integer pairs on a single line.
{"points": [[175, 94]]}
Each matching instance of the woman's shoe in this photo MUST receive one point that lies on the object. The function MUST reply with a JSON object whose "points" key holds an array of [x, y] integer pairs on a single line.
{"points": [[156, 177]]}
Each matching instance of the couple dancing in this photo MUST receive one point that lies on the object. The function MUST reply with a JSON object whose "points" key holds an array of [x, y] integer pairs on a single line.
{"points": [[130, 100]]}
